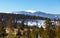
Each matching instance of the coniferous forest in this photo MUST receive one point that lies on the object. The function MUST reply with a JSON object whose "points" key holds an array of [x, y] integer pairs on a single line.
{"points": [[9, 28]]}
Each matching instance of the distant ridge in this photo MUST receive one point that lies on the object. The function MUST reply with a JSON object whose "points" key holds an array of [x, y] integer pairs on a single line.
{"points": [[36, 13]]}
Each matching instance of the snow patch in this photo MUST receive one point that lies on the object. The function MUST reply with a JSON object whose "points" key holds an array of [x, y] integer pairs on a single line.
{"points": [[32, 11]]}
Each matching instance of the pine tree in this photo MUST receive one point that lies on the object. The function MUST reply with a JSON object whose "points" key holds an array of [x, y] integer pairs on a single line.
{"points": [[49, 32]]}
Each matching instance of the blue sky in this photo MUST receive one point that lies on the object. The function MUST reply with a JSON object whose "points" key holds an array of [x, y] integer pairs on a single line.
{"points": [[48, 6]]}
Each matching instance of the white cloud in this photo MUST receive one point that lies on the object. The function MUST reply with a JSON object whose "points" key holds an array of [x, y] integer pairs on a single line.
{"points": [[5, 12]]}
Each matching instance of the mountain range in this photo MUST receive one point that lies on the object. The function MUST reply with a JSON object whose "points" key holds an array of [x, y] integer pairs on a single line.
{"points": [[38, 13]]}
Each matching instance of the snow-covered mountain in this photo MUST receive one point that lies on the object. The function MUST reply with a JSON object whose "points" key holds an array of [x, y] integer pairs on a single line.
{"points": [[38, 13]]}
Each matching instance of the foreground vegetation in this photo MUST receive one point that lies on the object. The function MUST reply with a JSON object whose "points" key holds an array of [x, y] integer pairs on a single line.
{"points": [[25, 31]]}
